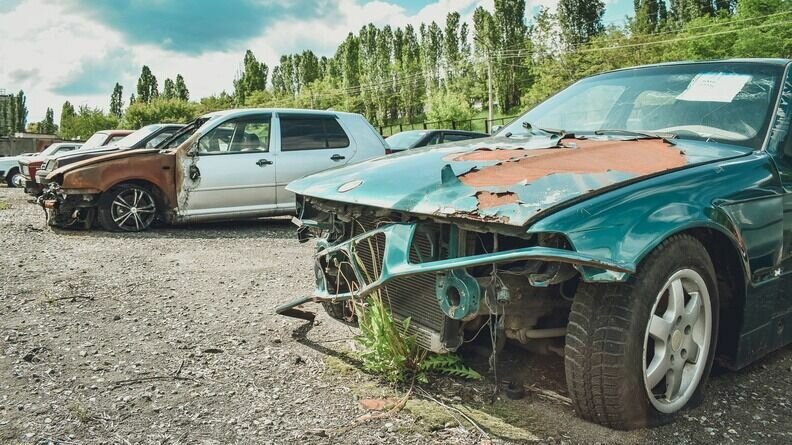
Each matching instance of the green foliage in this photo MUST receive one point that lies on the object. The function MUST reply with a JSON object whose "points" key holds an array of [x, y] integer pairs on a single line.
{"points": [[147, 88], [253, 77], [580, 20], [85, 122], [117, 101], [21, 111], [182, 93], [449, 364], [222, 101], [168, 89], [388, 349], [448, 106], [159, 110], [47, 126]]}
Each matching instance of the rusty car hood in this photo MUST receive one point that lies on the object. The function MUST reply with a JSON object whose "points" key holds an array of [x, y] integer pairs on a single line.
{"points": [[505, 180], [102, 158]]}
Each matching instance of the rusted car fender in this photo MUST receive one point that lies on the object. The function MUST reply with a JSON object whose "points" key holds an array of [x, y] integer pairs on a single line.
{"points": [[626, 224], [104, 172]]}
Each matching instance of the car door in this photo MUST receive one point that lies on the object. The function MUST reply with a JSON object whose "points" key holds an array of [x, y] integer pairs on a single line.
{"points": [[231, 171], [780, 147], [309, 143]]}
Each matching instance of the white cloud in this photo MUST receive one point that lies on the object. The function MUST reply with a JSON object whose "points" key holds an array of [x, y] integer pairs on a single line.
{"points": [[46, 46]]}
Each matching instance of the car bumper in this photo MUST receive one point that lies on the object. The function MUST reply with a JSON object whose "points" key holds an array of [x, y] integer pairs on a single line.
{"points": [[67, 207]]}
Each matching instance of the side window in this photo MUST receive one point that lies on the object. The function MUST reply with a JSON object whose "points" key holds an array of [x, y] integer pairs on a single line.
{"points": [[454, 137], [237, 135], [311, 133], [434, 139]]}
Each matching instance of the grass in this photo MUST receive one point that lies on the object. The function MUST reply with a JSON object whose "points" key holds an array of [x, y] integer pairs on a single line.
{"points": [[388, 349], [4, 205]]}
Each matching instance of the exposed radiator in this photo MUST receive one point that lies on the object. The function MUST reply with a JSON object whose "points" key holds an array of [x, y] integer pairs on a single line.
{"points": [[412, 296]]}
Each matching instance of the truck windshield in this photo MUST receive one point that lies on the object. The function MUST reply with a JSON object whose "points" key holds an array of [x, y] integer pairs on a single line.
{"points": [[729, 102]]}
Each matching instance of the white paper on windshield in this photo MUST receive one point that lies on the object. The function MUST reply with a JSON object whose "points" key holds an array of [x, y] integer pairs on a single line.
{"points": [[714, 87]]}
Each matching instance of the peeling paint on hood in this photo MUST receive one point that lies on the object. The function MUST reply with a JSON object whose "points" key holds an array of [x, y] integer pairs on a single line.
{"points": [[505, 180]]}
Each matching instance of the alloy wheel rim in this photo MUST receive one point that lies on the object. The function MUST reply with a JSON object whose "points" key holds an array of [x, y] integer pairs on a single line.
{"points": [[133, 209], [677, 341]]}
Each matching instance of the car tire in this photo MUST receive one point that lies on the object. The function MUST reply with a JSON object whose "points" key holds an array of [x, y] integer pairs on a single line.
{"points": [[127, 208], [10, 178], [618, 371]]}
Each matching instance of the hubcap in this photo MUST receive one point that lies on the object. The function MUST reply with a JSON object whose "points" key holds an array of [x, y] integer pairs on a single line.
{"points": [[133, 209], [677, 341]]}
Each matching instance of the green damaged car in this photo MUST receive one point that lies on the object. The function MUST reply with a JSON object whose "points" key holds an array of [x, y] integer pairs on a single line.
{"points": [[639, 222]]}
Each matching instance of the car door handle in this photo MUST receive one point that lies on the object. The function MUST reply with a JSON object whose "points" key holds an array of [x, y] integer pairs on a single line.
{"points": [[337, 157], [263, 162]]}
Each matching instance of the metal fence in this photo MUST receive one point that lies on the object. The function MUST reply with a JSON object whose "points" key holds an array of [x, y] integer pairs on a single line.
{"points": [[482, 124]]}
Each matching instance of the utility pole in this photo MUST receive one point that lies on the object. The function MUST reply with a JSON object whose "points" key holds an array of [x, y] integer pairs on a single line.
{"points": [[490, 115]]}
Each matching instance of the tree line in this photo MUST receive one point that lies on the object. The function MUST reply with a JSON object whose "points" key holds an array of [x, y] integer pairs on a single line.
{"points": [[438, 71]]}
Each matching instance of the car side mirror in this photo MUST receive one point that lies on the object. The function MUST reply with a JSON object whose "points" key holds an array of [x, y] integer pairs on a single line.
{"points": [[495, 129]]}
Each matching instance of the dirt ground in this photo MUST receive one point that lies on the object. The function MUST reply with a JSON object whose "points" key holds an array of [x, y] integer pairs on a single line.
{"points": [[170, 336]]}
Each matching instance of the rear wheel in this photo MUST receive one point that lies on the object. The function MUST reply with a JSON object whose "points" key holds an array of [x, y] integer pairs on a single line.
{"points": [[639, 352], [127, 208], [13, 177]]}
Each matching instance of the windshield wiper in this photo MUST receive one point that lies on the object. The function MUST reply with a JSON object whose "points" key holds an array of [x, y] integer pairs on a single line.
{"points": [[642, 134], [531, 128]]}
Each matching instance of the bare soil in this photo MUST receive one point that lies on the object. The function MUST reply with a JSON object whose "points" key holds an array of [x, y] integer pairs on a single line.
{"points": [[170, 336]]}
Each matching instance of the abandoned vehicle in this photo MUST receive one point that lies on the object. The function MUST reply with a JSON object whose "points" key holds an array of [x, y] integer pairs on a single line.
{"points": [[149, 136], [235, 166], [30, 165], [640, 221]]}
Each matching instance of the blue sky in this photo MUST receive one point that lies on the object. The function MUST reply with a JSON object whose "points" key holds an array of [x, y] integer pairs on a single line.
{"points": [[77, 49]]}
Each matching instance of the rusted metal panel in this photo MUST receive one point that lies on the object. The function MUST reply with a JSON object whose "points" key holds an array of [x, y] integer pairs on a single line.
{"points": [[104, 172]]}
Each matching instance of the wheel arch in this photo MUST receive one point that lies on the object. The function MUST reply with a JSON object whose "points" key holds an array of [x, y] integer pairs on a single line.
{"points": [[731, 273], [159, 195]]}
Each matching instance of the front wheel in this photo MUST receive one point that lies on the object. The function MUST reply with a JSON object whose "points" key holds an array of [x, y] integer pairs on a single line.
{"points": [[127, 208], [13, 178], [637, 353]]}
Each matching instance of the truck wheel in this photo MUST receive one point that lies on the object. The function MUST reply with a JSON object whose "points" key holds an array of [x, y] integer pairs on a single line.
{"points": [[127, 208], [12, 177], [639, 352]]}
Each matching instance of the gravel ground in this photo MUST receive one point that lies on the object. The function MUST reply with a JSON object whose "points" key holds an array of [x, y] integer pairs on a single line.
{"points": [[169, 336]]}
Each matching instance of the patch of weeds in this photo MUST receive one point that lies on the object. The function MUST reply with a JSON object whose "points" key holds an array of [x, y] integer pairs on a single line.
{"points": [[4, 205], [388, 349], [81, 412]]}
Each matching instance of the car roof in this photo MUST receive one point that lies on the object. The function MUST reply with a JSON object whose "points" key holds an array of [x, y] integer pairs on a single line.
{"points": [[238, 112], [116, 132], [756, 61]]}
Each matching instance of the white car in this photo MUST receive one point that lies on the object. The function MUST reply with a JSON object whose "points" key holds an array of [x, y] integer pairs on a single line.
{"points": [[236, 165], [9, 166]]}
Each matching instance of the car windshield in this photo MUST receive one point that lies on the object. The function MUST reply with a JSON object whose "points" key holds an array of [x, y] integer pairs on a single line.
{"points": [[94, 141], [136, 137], [405, 139], [729, 102], [49, 150]]}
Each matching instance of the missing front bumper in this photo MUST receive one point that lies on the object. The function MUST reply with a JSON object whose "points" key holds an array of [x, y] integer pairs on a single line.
{"points": [[436, 294]]}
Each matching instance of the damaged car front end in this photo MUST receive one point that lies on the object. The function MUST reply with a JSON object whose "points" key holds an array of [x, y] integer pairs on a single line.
{"points": [[618, 243]]}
